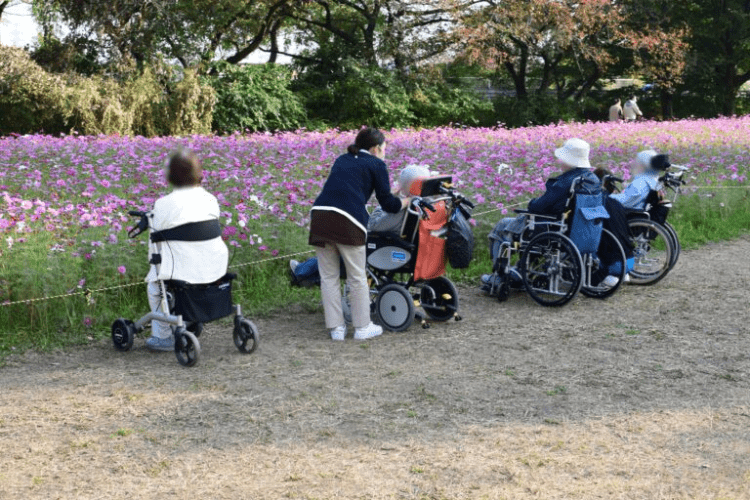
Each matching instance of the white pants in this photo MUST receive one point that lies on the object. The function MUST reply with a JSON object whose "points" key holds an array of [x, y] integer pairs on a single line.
{"points": [[356, 278], [158, 328]]}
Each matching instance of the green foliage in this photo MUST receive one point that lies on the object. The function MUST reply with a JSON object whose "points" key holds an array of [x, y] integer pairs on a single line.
{"points": [[33, 100], [537, 109], [29, 97], [254, 97], [434, 102], [357, 95]]}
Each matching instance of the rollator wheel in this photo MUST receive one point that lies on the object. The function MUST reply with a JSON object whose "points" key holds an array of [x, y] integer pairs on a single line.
{"points": [[552, 269], [395, 308], [676, 245], [186, 347], [600, 291], [246, 335], [652, 251], [196, 328], [439, 299], [123, 333]]}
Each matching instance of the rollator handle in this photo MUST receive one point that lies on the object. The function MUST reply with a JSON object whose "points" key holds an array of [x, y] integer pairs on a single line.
{"points": [[142, 224]]}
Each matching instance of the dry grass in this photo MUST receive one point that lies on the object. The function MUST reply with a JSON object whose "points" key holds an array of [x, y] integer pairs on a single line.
{"points": [[645, 396]]}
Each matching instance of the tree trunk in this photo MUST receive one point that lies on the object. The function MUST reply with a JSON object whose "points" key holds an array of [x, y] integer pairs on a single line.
{"points": [[667, 101]]}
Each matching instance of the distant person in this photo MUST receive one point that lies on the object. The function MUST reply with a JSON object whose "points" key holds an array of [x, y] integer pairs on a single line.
{"points": [[630, 111], [615, 111]]}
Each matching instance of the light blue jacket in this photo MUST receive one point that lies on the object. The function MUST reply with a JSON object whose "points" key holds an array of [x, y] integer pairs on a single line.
{"points": [[634, 196]]}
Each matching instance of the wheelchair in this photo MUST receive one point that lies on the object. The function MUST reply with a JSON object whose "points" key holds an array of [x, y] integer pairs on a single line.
{"points": [[185, 306], [558, 256], [656, 244], [396, 262]]}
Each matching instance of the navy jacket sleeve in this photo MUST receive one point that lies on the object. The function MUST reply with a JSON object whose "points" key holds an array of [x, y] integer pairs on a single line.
{"points": [[552, 202], [382, 187]]}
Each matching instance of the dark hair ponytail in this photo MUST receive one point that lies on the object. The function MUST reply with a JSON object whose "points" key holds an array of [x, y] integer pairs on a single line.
{"points": [[366, 138]]}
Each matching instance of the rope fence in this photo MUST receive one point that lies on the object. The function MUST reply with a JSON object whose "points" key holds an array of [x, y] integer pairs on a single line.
{"points": [[88, 293]]}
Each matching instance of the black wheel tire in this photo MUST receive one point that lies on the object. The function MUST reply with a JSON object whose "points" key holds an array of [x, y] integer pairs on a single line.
{"points": [[187, 349], [195, 328], [246, 336], [598, 292], [676, 245], [433, 299], [652, 248], [123, 333], [395, 308], [552, 269]]}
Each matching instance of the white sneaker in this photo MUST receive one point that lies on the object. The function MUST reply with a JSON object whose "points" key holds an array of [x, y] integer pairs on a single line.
{"points": [[610, 281], [293, 264], [338, 333], [368, 332]]}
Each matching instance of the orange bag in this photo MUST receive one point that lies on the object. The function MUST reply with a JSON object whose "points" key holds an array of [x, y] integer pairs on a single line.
{"points": [[431, 254]]}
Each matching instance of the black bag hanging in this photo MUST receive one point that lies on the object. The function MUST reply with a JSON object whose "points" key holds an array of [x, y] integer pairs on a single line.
{"points": [[459, 242]]}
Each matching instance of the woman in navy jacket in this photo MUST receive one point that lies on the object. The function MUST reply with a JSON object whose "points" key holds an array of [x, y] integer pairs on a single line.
{"points": [[338, 227]]}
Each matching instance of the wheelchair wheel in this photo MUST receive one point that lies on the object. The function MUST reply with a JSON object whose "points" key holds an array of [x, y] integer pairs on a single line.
{"points": [[123, 333], [186, 347], [439, 299], [246, 335], [395, 308], [676, 246], [652, 251], [552, 269], [591, 269]]}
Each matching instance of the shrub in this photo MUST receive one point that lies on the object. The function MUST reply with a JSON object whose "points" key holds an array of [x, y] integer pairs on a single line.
{"points": [[33, 100], [435, 103], [254, 98], [30, 99], [357, 95]]}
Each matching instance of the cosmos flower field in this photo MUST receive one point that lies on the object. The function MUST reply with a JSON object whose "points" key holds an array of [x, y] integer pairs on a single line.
{"points": [[67, 198]]}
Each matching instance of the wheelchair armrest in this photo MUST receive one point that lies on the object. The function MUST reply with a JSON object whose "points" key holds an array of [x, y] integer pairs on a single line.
{"points": [[544, 216]]}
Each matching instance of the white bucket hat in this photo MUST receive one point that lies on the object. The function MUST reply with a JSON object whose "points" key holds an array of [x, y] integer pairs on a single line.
{"points": [[409, 174], [575, 153]]}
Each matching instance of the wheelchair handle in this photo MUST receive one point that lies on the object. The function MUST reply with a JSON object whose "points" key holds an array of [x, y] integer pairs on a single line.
{"points": [[136, 213], [427, 205]]}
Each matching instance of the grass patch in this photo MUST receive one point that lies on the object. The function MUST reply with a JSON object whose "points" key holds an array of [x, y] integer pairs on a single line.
{"points": [[45, 267]]}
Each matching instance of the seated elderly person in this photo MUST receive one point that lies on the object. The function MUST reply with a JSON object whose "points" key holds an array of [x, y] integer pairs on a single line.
{"points": [[573, 158], [645, 168], [380, 221]]}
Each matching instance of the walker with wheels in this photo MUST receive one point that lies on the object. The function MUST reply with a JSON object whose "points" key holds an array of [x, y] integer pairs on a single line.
{"points": [[187, 306]]}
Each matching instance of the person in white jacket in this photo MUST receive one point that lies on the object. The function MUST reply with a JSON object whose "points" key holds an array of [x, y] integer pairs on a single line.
{"points": [[195, 262], [630, 111]]}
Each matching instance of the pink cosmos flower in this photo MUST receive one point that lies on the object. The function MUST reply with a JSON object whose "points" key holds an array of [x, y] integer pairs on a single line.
{"points": [[121, 269]]}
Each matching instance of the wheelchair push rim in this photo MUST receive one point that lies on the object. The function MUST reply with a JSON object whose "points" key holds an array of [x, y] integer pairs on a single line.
{"points": [[395, 307], [652, 252], [552, 269]]}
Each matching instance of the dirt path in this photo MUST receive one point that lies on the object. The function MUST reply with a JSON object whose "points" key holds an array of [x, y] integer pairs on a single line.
{"points": [[643, 396]]}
